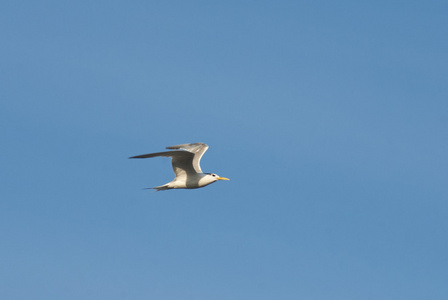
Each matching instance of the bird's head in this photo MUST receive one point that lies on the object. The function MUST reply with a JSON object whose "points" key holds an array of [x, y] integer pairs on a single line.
{"points": [[214, 177]]}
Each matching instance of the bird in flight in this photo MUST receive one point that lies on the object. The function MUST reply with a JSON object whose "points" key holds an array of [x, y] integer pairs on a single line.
{"points": [[185, 160]]}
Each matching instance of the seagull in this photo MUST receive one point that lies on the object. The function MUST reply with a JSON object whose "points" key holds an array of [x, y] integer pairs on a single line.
{"points": [[185, 160]]}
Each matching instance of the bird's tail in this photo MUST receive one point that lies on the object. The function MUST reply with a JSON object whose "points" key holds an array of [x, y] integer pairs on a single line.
{"points": [[159, 188]]}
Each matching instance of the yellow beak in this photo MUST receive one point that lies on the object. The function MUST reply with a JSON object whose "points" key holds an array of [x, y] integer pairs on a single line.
{"points": [[223, 178]]}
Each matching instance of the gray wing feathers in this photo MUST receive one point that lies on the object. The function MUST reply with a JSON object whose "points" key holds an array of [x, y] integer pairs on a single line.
{"points": [[182, 161], [165, 154], [185, 161], [197, 148]]}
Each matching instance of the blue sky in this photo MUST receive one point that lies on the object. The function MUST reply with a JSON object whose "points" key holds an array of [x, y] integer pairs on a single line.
{"points": [[330, 119]]}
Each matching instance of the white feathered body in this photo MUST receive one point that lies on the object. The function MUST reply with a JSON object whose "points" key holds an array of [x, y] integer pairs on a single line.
{"points": [[189, 182]]}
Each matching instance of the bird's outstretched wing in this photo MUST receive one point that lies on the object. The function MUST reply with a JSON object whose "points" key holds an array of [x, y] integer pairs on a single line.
{"points": [[182, 161], [198, 149]]}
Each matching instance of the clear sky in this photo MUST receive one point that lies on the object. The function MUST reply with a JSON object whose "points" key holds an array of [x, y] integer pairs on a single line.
{"points": [[329, 117]]}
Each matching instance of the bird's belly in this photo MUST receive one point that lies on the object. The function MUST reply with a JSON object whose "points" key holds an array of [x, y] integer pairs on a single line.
{"points": [[189, 182], [186, 183]]}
